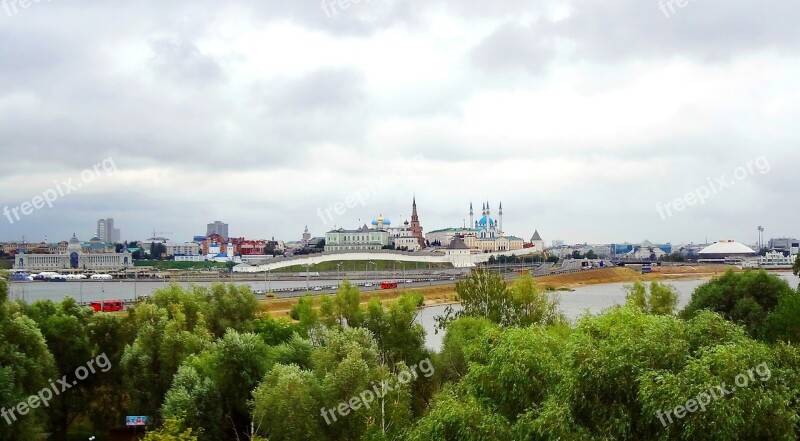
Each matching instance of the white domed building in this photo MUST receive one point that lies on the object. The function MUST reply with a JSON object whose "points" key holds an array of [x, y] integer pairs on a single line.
{"points": [[726, 251]]}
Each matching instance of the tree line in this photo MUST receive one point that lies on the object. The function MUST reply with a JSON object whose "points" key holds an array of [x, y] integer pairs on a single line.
{"points": [[209, 365]]}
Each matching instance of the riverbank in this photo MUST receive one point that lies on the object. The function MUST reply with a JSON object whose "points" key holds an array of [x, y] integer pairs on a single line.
{"points": [[446, 294]]}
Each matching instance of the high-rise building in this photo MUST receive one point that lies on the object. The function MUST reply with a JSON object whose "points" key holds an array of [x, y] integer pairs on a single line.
{"points": [[106, 231], [218, 227]]}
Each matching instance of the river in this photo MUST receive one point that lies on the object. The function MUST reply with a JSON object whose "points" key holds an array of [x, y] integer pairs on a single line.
{"points": [[592, 298]]}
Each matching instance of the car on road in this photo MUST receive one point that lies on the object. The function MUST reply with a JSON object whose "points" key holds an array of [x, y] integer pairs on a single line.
{"points": [[368, 285], [317, 288]]}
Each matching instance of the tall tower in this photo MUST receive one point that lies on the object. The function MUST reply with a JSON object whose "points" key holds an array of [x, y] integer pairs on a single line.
{"points": [[471, 216], [500, 213], [416, 229]]}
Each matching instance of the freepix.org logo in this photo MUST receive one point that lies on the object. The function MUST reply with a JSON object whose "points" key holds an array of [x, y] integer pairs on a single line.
{"points": [[56, 388], [61, 189], [12, 7]]}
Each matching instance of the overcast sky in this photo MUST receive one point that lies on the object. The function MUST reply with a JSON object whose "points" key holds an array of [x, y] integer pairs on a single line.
{"points": [[580, 116]]}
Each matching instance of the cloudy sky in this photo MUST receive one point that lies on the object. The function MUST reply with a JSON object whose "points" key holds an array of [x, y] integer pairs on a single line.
{"points": [[580, 116]]}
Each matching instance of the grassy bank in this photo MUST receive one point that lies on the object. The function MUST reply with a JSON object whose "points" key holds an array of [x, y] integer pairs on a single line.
{"points": [[169, 264]]}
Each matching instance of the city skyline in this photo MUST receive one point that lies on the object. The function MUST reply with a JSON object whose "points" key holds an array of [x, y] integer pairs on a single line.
{"points": [[658, 130]]}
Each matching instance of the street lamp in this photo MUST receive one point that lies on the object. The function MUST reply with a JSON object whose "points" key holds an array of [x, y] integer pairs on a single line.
{"points": [[339, 273], [376, 269]]}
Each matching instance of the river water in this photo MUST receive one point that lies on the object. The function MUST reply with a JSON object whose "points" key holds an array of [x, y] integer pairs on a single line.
{"points": [[593, 298]]}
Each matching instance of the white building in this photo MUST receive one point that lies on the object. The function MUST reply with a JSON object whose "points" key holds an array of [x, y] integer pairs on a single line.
{"points": [[404, 239], [537, 242], [363, 238], [75, 258], [189, 258], [186, 249]]}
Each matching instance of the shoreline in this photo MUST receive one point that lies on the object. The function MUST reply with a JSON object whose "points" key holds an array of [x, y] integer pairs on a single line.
{"points": [[443, 295]]}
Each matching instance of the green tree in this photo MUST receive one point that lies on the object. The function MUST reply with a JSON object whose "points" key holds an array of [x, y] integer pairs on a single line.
{"points": [[164, 339], [529, 304], [172, 431], [796, 268], [275, 331], [286, 405], [481, 294], [460, 418], [230, 307], [591, 255], [65, 328], [461, 335], [501, 359], [212, 391], [304, 312], [348, 304], [661, 299], [745, 298], [399, 336], [25, 367], [782, 323], [485, 294]]}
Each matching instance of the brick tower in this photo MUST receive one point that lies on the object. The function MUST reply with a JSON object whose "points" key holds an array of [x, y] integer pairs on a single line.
{"points": [[416, 229]]}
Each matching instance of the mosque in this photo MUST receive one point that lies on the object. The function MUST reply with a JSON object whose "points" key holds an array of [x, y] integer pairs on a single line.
{"points": [[485, 234]]}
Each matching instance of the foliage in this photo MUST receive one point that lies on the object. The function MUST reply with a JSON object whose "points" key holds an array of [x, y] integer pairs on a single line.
{"points": [[661, 299], [783, 324], [485, 294], [25, 366], [213, 390], [172, 431], [745, 298], [796, 268], [458, 418], [286, 405], [461, 334], [275, 331]]}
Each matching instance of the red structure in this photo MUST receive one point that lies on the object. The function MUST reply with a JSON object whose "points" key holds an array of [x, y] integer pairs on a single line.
{"points": [[108, 306]]}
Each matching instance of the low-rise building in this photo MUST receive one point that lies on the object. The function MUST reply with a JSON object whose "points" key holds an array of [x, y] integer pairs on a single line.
{"points": [[364, 238], [76, 257], [183, 249]]}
